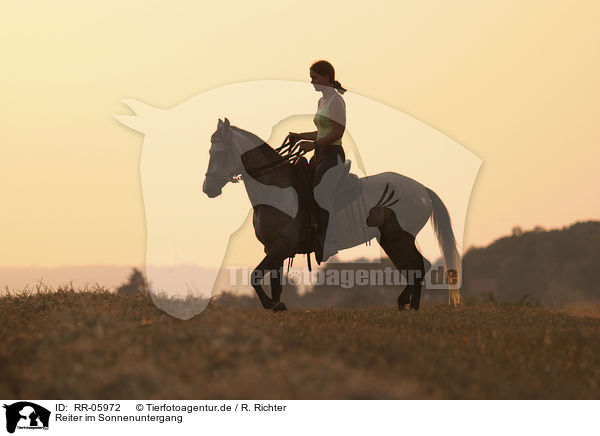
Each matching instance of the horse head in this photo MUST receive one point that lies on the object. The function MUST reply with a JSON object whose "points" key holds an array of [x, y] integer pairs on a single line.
{"points": [[222, 165]]}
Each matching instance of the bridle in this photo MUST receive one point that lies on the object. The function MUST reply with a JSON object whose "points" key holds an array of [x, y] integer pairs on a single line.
{"points": [[226, 178]]}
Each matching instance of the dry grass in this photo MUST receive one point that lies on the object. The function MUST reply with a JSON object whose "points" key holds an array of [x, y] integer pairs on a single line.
{"points": [[590, 310], [97, 345]]}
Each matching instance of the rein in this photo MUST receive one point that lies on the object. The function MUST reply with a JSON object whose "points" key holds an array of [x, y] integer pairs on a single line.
{"points": [[288, 151]]}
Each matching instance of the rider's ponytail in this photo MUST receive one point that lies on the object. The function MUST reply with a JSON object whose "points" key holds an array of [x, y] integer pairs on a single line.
{"points": [[337, 85]]}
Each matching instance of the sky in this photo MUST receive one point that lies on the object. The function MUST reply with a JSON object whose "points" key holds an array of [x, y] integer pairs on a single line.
{"points": [[516, 83]]}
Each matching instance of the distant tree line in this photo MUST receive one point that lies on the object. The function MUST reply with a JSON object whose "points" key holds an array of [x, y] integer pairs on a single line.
{"points": [[554, 266], [544, 266]]}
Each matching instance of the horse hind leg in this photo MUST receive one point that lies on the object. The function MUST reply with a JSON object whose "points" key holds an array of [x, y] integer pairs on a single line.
{"points": [[404, 299], [411, 295], [416, 278], [413, 264], [422, 267]]}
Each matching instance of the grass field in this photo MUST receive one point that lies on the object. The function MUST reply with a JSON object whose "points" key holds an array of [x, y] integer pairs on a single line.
{"points": [[97, 345]]}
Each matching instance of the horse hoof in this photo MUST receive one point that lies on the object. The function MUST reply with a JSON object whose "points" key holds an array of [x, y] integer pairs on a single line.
{"points": [[402, 307], [280, 307]]}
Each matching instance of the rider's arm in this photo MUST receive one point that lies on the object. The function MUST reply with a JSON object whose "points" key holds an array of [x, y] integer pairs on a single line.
{"points": [[336, 133], [311, 136]]}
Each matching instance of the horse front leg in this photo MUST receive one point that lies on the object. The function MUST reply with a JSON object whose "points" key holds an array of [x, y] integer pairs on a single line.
{"points": [[276, 288], [273, 264]]}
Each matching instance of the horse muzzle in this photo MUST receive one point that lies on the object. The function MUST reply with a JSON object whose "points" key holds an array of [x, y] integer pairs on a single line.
{"points": [[211, 188]]}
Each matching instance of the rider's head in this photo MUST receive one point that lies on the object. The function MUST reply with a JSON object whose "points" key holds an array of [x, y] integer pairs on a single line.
{"points": [[322, 75]]}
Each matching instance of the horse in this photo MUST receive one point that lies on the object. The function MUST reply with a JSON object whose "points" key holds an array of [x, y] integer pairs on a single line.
{"points": [[273, 187]]}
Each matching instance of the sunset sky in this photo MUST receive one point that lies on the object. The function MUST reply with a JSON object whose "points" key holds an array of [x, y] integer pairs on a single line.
{"points": [[516, 83]]}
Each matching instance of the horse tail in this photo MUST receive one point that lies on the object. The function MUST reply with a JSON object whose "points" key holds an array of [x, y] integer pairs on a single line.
{"points": [[442, 227]]}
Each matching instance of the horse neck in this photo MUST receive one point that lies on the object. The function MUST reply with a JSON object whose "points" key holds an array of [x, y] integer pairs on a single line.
{"points": [[244, 141], [261, 162]]}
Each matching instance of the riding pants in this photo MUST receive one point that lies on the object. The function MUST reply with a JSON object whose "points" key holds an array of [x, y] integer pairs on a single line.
{"points": [[328, 162]]}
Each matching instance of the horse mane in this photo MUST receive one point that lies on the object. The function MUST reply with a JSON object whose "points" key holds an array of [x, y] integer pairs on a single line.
{"points": [[247, 133], [283, 152], [264, 163], [259, 142]]}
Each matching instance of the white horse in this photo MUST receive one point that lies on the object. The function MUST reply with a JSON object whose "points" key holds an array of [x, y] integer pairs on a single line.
{"points": [[272, 187], [187, 235]]}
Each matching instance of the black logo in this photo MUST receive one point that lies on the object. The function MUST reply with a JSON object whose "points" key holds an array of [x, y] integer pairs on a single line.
{"points": [[26, 415]]}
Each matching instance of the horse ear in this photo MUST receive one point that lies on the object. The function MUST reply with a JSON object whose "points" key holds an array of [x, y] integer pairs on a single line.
{"points": [[226, 130], [220, 124], [227, 125]]}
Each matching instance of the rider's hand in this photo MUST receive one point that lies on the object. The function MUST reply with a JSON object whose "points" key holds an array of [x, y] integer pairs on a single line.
{"points": [[306, 145]]}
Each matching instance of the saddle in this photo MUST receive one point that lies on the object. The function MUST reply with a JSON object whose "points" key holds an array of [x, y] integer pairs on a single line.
{"points": [[348, 189]]}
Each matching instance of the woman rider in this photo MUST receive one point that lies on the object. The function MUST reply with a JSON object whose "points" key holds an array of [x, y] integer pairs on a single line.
{"points": [[328, 159]]}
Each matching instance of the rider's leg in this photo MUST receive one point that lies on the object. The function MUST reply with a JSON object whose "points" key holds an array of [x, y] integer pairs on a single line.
{"points": [[327, 176]]}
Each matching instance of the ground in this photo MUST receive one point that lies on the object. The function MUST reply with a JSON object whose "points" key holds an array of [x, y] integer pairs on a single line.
{"points": [[98, 345]]}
